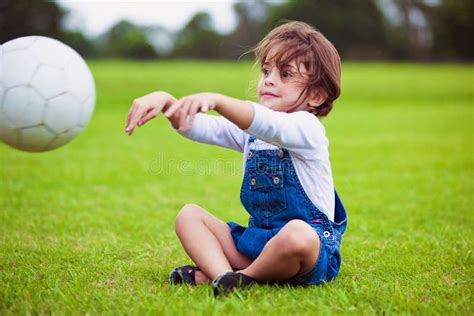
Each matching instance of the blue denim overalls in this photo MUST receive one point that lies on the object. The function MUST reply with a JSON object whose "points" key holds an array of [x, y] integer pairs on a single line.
{"points": [[273, 195]]}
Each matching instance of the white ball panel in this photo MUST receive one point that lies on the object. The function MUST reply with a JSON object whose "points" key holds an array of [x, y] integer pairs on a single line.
{"points": [[23, 106], [87, 110], [10, 137], [2, 88], [63, 113], [49, 81], [8, 134], [19, 43], [2, 94], [5, 121], [18, 68], [79, 78], [35, 138], [51, 52], [64, 138]]}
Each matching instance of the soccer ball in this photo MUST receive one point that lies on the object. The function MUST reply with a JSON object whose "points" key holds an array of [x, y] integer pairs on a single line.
{"points": [[47, 93]]}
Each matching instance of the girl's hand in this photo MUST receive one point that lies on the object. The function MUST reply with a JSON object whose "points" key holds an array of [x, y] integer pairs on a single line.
{"points": [[146, 108], [188, 106]]}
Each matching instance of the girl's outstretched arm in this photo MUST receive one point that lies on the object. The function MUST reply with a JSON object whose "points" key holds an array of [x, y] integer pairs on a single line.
{"points": [[237, 111], [300, 132], [211, 129]]}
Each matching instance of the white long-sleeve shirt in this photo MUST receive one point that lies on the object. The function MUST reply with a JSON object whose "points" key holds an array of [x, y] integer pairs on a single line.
{"points": [[301, 133]]}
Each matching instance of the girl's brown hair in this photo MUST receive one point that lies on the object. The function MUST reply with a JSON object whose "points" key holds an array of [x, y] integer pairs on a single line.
{"points": [[303, 43]]}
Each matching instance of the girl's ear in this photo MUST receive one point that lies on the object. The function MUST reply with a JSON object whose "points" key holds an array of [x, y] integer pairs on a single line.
{"points": [[317, 97]]}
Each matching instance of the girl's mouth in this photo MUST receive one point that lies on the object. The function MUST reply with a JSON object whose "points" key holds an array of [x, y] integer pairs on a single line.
{"points": [[269, 95]]}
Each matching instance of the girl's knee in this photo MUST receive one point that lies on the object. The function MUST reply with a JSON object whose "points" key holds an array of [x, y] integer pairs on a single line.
{"points": [[188, 212], [297, 238]]}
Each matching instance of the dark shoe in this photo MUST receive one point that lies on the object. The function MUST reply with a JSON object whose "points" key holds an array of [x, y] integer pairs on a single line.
{"points": [[229, 281], [183, 274]]}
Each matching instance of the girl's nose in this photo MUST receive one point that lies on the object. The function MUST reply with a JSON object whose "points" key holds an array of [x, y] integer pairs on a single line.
{"points": [[271, 78]]}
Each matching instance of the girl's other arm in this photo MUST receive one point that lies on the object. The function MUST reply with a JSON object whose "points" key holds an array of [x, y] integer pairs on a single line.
{"points": [[237, 111], [298, 131]]}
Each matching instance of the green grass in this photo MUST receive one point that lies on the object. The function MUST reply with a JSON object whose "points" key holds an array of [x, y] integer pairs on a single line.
{"points": [[88, 228]]}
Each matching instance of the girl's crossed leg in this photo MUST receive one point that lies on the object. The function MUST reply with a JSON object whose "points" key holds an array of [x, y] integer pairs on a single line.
{"points": [[208, 242]]}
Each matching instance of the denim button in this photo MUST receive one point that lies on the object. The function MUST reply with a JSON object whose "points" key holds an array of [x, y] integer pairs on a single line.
{"points": [[276, 180], [326, 234], [253, 181], [250, 155]]}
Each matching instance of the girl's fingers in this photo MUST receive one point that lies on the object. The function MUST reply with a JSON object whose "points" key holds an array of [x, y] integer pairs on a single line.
{"points": [[136, 116], [184, 113], [150, 115], [128, 117], [174, 107], [133, 112], [204, 107], [192, 112]]}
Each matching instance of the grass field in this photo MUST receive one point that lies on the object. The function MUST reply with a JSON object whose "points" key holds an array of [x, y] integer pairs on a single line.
{"points": [[88, 228]]}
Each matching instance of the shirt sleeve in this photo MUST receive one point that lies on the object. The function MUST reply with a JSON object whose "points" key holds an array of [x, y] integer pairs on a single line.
{"points": [[216, 130], [300, 132]]}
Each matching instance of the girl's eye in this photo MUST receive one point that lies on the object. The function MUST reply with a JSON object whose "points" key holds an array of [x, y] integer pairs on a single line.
{"points": [[264, 71], [286, 74]]}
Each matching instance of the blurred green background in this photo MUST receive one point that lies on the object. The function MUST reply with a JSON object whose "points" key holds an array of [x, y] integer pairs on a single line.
{"points": [[88, 228], [422, 30]]}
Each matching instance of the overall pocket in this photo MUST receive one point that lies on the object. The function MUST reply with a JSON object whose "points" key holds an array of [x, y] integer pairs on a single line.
{"points": [[266, 190]]}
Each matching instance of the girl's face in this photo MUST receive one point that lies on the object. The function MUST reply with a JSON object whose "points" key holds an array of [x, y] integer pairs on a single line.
{"points": [[279, 90]]}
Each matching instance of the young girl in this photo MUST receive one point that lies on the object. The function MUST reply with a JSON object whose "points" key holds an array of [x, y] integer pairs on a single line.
{"points": [[296, 218]]}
